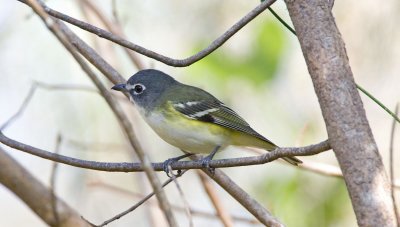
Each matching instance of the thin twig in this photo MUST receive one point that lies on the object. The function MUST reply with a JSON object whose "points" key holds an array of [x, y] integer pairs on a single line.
{"points": [[32, 91], [195, 212], [116, 217], [76, 87], [391, 158], [212, 194], [159, 57], [115, 11], [21, 109], [182, 195], [55, 27], [53, 180], [322, 168]]}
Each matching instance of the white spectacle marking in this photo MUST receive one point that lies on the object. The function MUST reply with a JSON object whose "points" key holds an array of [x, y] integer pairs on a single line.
{"points": [[202, 113], [129, 86]]}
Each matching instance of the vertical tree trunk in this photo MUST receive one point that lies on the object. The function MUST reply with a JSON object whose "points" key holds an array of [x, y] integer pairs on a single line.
{"points": [[349, 133]]}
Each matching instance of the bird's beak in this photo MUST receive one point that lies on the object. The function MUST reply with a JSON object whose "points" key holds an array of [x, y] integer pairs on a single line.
{"points": [[119, 87]]}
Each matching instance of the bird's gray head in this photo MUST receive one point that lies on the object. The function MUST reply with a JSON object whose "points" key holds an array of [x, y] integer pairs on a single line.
{"points": [[146, 86]]}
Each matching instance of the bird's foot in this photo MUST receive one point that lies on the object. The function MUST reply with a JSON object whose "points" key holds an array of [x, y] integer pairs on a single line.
{"points": [[205, 162], [167, 165]]}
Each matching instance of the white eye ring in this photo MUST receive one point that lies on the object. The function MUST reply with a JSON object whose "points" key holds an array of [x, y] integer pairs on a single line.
{"points": [[138, 89]]}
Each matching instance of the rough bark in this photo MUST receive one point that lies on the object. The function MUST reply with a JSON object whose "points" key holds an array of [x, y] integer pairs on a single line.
{"points": [[37, 196], [349, 133]]}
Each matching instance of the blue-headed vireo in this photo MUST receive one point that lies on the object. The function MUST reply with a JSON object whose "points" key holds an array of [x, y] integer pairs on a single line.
{"points": [[190, 118]]}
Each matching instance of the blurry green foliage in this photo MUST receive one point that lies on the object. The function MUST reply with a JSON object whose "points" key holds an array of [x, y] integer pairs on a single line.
{"points": [[307, 200], [258, 64]]}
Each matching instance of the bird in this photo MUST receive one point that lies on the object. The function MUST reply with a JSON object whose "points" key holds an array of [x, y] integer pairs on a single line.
{"points": [[190, 118]]}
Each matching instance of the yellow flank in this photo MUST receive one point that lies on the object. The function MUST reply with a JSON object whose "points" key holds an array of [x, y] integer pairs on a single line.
{"points": [[243, 139], [196, 136]]}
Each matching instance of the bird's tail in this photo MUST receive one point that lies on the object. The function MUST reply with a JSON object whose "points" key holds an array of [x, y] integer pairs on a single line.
{"points": [[293, 160]]}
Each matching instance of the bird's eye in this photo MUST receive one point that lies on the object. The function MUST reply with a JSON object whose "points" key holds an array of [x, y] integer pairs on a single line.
{"points": [[138, 88]]}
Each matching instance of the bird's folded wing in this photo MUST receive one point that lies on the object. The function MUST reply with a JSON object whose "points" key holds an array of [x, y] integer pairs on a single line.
{"points": [[216, 112]]}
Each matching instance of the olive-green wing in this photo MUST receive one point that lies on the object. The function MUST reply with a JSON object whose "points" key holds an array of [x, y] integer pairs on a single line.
{"points": [[213, 111]]}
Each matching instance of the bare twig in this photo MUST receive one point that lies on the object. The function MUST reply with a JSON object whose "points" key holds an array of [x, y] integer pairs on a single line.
{"points": [[182, 195], [195, 212], [321, 168], [31, 93], [53, 180], [391, 158], [116, 217], [212, 194], [137, 167], [73, 87], [21, 109], [115, 11], [151, 54], [54, 27]]}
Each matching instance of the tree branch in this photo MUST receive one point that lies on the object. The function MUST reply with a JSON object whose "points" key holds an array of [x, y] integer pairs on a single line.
{"points": [[159, 57], [349, 133], [137, 167]]}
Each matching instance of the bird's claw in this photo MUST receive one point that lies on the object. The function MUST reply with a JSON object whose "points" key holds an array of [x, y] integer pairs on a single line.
{"points": [[167, 167], [205, 162]]}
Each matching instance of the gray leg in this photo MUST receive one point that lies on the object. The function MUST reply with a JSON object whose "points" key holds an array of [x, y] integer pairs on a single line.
{"points": [[169, 161], [206, 160]]}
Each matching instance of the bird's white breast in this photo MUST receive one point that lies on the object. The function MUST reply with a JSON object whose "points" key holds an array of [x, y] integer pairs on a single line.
{"points": [[187, 134]]}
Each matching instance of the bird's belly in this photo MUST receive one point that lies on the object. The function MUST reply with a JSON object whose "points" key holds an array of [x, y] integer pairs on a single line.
{"points": [[189, 135]]}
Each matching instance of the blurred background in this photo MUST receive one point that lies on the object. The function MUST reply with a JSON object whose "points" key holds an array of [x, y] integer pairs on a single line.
{"points": [[260, 73]]}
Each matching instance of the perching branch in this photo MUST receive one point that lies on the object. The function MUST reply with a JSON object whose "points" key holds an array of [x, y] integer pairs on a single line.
{"points": [[137, 167], [159, 57]]}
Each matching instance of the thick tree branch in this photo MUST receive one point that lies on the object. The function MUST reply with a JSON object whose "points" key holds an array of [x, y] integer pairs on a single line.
{"points": [[136, 167], [256, 209], [349, 133], [35, 195], [159, 57]]}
